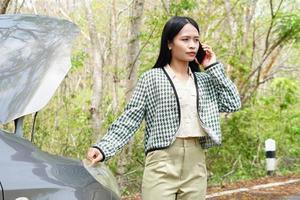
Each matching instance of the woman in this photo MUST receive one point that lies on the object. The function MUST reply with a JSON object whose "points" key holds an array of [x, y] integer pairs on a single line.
{"points": [[181, 107]]}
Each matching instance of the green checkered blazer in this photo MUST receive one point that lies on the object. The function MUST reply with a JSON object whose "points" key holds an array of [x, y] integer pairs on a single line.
{"points": [[155, 100]]}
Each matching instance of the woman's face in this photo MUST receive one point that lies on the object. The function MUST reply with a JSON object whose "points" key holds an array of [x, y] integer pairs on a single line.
{"points": [[185, 44]]}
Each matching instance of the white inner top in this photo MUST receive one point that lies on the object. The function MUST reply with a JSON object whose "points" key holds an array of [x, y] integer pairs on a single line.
{"points": [[186, 91]]}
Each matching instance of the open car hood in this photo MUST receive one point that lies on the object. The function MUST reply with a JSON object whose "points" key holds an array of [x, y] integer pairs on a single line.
{"points": [[34, 59]]}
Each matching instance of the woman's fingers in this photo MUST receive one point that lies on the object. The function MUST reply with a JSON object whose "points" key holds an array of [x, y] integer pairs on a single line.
{"points": [[91, 153], [207, 48], [96, 159], [210, 56], [94, 155]]}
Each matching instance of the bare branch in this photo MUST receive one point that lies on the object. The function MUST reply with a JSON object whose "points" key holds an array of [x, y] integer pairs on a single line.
{"points": [[259, 66], [65, 14], [124, 9], [230, 17], [166, 6], [273, 15], [253, 45], [145, 44], [270, 28], [250, 11], [3, 6], [21, 6], [216, 26]]}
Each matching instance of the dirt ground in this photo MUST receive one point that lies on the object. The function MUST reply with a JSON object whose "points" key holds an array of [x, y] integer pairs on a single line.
{"points": [[284, 192], [288, 191]]}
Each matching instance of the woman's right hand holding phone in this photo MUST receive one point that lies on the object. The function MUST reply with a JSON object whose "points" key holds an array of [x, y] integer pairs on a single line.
{"points": [[210, 56]]}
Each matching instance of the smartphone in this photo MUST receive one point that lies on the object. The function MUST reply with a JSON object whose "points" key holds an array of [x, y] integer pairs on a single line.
{"points": [[200, 54]]}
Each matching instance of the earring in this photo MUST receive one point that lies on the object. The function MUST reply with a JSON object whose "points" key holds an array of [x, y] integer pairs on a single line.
{"points": [[170, 48]]}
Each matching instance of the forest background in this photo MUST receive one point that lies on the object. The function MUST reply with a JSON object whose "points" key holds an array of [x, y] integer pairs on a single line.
{"points": [[257, 40]]}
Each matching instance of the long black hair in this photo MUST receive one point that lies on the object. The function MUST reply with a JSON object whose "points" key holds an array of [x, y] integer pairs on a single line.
{"points": [[171, 29]]}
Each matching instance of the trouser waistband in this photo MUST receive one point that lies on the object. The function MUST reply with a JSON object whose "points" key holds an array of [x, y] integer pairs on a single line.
{"points": [[185, 142]]}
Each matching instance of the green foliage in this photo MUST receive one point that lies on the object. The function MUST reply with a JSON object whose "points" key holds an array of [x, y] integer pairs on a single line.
{"points": [[276, 115], [287, 90], [63, 126], [78, 59], [182, 7], [287, 26]]}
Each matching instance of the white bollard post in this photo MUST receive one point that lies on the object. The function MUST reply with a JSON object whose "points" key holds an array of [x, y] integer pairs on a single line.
{"points": [[270, 148]]}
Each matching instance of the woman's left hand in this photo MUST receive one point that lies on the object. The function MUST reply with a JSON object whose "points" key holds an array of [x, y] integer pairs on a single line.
{"points": [[210, 56]]}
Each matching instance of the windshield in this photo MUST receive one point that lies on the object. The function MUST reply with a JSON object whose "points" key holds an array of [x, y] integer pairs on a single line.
{"points": [[34, 59]]}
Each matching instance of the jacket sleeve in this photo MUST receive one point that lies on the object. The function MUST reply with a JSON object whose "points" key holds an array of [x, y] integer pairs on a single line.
{"points": [[123, 128], [227, 94]]}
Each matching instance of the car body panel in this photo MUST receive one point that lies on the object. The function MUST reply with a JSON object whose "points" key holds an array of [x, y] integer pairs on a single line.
{"points": [[1, 192], [29, 172], [34, 59]]}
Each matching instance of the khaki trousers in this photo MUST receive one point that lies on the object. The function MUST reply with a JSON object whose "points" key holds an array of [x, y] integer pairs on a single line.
{"points": [[176, 173]]}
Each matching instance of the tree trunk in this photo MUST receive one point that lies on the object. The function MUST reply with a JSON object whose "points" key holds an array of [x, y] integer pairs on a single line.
{"points": [[233, 26], [134, 46], [3, 6], [97, 70], [115, 56], [31, 5], [230, 17], [166, 6], [249, 13], [132, 66]]}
